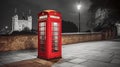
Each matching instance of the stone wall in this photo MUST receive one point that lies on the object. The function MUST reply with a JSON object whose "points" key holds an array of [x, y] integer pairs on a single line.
{"points": [[80, 37], [19, 42]]}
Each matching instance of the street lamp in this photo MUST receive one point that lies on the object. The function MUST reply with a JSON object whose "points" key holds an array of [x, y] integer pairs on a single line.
{"points": [[6, 27], [78, 8]]}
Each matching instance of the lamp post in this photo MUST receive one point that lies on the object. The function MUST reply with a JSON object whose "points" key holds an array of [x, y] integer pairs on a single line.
{"points": [[78, 8]]}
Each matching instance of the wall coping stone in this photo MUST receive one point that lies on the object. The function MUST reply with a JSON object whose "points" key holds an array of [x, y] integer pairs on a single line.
{"points": [[81, 33]]}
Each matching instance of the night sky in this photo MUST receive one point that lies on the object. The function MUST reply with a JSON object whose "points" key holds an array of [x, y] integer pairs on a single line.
{"points": [[66, 7]]}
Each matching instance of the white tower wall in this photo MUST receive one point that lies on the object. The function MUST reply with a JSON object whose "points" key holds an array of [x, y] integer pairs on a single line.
{"points": [[20, 25], [15, 23], [118, 29], [30, 22]]}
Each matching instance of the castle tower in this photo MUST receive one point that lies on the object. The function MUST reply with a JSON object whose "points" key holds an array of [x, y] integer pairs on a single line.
{"points": [[21, 24], [15, 21], [118, 29], [30, 20]]}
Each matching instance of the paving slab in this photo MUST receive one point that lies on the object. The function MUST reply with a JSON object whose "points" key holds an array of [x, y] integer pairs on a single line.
{"points": [[65, 64], [98, 64], [79, 66], [77, 61], [30, 63], [1, 63], [116, 57], [117, 61]]}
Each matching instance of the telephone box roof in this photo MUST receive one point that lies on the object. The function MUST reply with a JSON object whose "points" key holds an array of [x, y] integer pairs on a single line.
{"points": [[49, 10]]}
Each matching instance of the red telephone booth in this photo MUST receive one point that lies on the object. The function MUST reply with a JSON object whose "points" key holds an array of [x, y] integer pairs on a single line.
{"points": [[49, 34]]}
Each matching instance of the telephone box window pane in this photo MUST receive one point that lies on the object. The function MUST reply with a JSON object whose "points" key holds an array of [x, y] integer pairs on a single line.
{"points": [[42, 37], [42, 24], [42, 29], [55, 28], [42, 33], [55, 37], [42, 46], [55, 41], [42, 42], [55, 33], [55, 46], [42, 49], [55, 24]]}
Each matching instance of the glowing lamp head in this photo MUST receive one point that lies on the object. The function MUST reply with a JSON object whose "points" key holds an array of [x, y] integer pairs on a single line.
{"points": [[6, 27], [78, 6]]}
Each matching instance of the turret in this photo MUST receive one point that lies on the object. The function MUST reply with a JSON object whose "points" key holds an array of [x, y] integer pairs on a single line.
{"points": [[30, 20], [15, 22]]}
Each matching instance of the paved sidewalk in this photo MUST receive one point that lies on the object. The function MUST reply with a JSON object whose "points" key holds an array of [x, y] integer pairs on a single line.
{"points": [[88, 54], [91, 54], [14, 56]]}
